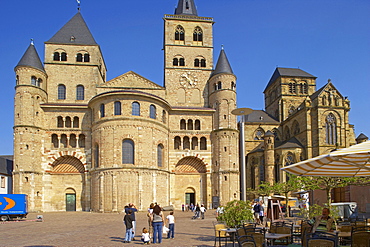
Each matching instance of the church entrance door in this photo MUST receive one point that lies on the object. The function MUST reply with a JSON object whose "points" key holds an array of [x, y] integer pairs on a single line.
{"points": [[190, 198], [70, 202]]}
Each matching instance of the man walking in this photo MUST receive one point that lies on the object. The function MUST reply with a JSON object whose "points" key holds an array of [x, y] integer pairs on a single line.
{"points": [[133, 209]]}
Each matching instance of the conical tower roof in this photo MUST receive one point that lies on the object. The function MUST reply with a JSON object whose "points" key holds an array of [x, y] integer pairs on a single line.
{"points": [[75, 31], [31, 59], [223, 65], [186, 7]]}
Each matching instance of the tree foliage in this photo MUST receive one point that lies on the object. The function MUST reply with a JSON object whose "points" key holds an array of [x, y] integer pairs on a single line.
{"points": [[235, 212]]}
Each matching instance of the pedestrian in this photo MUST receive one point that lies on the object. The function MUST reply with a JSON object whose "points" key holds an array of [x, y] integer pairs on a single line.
{"points": [[202, 210], [256, 209], [133, 209], [128, 222], [157, 220], [145, 236], [171, 225], [150, 211], [197, 211], [219, 211], [183, 207], [187, 207], [262, 212]]}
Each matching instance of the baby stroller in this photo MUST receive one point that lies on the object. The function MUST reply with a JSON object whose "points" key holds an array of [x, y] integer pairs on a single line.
{"points": [[196, 215]]}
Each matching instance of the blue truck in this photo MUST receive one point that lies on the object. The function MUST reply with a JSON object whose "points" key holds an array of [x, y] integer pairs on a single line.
{"points": [[13, 206]]}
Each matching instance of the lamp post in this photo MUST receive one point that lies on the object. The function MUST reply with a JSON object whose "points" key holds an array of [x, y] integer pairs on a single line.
{"points": [[243, 181]]}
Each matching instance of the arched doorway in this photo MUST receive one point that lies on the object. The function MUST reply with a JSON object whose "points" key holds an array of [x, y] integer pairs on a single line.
{"points": [[70, 199]]}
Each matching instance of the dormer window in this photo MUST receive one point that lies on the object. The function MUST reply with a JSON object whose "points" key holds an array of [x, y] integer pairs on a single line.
{"points": [[73, 38]]}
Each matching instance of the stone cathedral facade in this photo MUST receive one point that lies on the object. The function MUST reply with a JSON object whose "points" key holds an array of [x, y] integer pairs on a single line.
{"points": [[84, 143]]}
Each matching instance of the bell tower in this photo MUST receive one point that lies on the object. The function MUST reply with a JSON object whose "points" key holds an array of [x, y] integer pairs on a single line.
{"points": [[188, 55]]}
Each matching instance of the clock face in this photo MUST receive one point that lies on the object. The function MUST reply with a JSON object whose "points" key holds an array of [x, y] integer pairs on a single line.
{"points": [[187, 79]]}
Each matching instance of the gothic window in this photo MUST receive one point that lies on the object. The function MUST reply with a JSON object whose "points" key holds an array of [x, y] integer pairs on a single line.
{"points": [[324, 100], [60, 122], [102, 110], [182, 61], [179, 33], [177, 142], [153, 112], [175, 62], [135, 109], [190, 124], [198, 34], [72, 140], [61, 91], [289, 159], [276, 134], [258, 135], [128, 152], [63, 56], [203, 63], [160, 155], [197, 124], [186, 143], [96, 155], [182, 124], [81, 140], [117, 108], [331, 132], [56, 56], [303, 88], [80, 92], [296, 128], [55, 141], [196, 62], [68, 122], [194, 143], [33, 80], [203, 143], [76, 123], [79, 57]]}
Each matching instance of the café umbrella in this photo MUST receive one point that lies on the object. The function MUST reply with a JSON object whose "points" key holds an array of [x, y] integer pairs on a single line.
{"points": [[353, 161]]}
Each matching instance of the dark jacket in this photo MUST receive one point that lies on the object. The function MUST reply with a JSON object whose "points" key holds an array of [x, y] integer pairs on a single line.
{"points": [[128, 220]]}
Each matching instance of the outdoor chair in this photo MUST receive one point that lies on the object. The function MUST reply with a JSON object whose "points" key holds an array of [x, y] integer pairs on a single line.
{"points": [[361, 229], [360, 239], [246, 241], [332, 239], [258, 236], [282, 228], [345, 240], [306, 228], [220, 234]]}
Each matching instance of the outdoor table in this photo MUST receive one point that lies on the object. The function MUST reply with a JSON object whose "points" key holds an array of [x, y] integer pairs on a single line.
{"points": [[232, 232], [273, 236]]}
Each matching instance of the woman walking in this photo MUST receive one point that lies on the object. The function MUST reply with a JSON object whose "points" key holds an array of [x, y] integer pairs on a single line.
{"points": [[157, 219]]}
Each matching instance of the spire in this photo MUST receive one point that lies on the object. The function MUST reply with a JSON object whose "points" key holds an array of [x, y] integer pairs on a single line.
{"points": [[223, 65], [74, 32], [31, 58], [186, 7]]}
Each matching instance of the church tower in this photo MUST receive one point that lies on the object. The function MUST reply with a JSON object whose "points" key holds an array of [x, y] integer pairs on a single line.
{"points": [[225, 136], [30, 92], [188, 55]]}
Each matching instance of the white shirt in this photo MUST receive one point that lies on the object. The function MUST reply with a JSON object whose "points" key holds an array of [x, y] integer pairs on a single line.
{"points": [[145, 237], [202, 209], [171, 219]]}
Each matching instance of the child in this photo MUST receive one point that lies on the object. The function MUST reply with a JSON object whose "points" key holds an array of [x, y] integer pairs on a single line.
{"points": [[171, 225], [128, 222], [145, 237]]}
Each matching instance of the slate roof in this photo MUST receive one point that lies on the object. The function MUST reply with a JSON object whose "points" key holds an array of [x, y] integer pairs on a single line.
{"points": [[288, 72], [318, 92], [362, 137], [186, 7], [292, 143], [6, 164], [223, 65], [75, 31], [259, 116], [31, 59]]}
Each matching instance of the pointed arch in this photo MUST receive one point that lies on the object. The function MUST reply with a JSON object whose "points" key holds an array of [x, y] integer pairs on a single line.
{"points": [[331, 129], [258, 134], [179, 33], [198, 34]]}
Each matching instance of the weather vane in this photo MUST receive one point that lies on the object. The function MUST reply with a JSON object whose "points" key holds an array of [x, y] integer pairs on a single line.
{"points": [[78, 4]]}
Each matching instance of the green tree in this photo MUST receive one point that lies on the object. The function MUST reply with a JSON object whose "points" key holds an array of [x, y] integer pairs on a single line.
{"points": [[237, 211]]}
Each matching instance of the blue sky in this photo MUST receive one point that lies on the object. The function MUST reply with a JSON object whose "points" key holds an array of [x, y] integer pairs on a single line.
{"points": [[326, 38]]}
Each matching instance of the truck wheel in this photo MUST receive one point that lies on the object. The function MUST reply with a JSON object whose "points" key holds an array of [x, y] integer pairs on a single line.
{"points": [[4, 218]]}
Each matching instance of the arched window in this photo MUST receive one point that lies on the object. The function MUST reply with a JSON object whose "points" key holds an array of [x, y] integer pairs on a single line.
{"points": [[198, 34], [289, 159], [56, 56], [117, 108], [63, 56], [258, 135], [55, 141], [190, 124], [324, 100], [177, 142], [61, 91], [153, 112], [135, 109], [72, 140], [79, 57], [33, 80], [81, 140], [194, 143], [160, 155], [68, 122], [39, 82], [86, 57], [179, 33], [182, 61], [80, 92], [303, 88], [76, 122], [175, 62], [182, 124], [203, 63], [60, 122], [203, 143], [102, 110], [186, 143], [331, 129], [96, 155], [63, 140], [276, 134], [233, 86], [292, 87], [196, 62], [296, 128], [128, 152], [197, 124]]}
